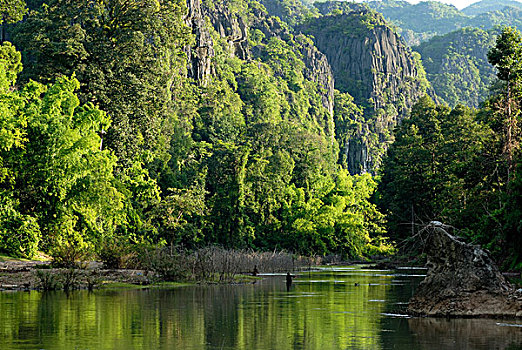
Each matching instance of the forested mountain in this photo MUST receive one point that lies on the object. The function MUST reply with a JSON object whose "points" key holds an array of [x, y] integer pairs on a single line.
{"points": [[457, 65], [453, 44], [250, 124], [508, 16], [419, 22], [291, 12], [484, 6]]}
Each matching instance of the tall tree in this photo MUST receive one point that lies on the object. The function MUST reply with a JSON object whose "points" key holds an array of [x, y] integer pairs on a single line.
{"points": [[506, 56], [11, 11], [432, 171], [19, 233]]}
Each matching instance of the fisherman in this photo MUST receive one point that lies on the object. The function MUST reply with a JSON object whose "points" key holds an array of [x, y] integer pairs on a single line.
{"points": [[288, 281]]}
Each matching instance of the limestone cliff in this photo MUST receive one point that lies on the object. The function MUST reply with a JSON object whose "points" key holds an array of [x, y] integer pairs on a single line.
{"points": [[231, 26], [371, 63], [318, 69]]}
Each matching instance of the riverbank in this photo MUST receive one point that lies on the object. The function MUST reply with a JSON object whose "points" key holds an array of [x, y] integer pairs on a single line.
{"points": [[19, 275], [26, 275]]}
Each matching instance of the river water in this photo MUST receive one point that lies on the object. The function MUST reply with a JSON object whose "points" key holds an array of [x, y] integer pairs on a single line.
{"points": [[331, 308]]}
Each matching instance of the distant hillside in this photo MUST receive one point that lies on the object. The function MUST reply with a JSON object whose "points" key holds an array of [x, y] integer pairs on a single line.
{"points": [[508, 16], [489, 6], [419, 22], [457, 66], [290, 11]]}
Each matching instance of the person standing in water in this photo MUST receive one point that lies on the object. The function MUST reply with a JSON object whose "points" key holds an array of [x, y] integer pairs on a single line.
{"points": [[288, 281]]}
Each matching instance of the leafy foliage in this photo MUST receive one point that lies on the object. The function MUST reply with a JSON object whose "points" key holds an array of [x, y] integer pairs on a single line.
{"points": [[123, 53], [120, 145], [458, 67], [459, 166], [12, 11]]}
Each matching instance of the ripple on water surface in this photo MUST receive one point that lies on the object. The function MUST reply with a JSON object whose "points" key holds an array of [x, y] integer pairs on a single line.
{"points": [[332, 308]]}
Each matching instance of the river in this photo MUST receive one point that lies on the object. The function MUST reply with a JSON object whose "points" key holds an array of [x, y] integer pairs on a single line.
{"points": [[332, 308]]}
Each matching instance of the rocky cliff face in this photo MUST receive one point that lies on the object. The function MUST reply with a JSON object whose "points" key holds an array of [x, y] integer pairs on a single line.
{"points": [[235, 29], [462, 280], [230, 26], [201, 53], [226, 24], [371, 63], [318, 70]]}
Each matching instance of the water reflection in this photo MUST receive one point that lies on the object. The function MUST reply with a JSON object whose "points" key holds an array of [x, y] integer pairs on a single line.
{"points": [[465, 334], [345, 308]]}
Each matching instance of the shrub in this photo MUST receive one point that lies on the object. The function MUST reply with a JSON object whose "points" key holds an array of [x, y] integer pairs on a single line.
{"points": [[19, 234], [218, 264], [169, 263], [47, 280], [71, 279], [118, 253], [69, 254]]}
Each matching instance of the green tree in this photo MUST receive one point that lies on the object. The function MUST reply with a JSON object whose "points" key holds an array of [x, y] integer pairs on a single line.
{"points": [[64, 178], [229, 225], [435, 170], [11, 11], [409, 183], [19, 233], [506, 56], [127, 56], [513, 221]]}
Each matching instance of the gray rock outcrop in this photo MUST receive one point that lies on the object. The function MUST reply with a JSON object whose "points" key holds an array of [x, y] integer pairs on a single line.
{"points": [[227, 25], [462, 280], [318, 70], [201, 53], [230, 26]]}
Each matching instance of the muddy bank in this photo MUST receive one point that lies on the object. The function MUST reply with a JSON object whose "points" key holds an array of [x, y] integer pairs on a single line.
{"points": [[462, 280], [24, 275]]}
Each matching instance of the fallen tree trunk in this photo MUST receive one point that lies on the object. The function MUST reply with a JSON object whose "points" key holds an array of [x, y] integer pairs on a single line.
{"points": [[462, 280]]}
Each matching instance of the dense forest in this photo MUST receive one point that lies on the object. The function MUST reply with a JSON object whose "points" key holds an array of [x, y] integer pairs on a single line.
{"points": [[457, 65], [266, 125]]}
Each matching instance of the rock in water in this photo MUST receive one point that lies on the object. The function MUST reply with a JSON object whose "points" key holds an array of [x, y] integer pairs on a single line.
{"points": [[462, 280]]}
